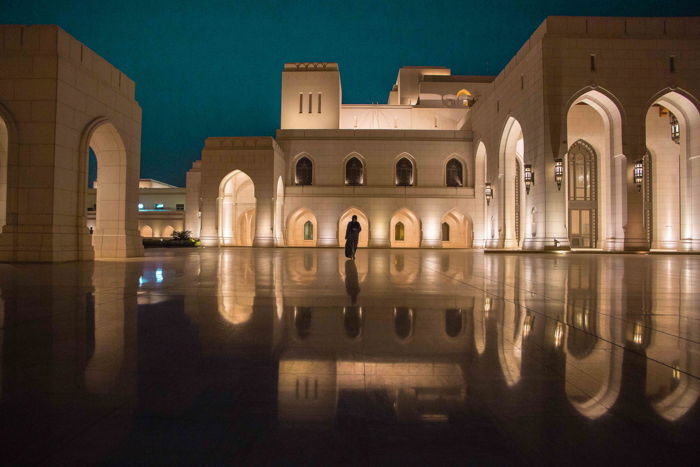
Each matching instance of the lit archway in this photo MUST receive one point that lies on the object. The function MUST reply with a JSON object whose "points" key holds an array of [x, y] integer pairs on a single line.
{"points": [[236, 204], [405, 229], [672, 123], [593, 117], [302, 229], [279, 210], [456, 230], [345, 218], [513, 202], [146, 231], [116, 204], [167, 231]]}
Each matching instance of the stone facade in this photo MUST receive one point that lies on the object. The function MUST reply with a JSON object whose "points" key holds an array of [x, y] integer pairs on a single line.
{"points": [[597, 97]]}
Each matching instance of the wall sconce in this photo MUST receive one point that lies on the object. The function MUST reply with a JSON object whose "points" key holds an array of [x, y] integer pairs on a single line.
{"points": [[639, 174], [488, 193], [529, 178], [558, 172]]}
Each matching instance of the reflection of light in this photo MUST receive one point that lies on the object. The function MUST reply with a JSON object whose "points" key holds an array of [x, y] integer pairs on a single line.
{"points": [[142, 281], [140, 205], [159, 275], [558, 334], [638, 333], [527, 326], [676, 375], [487, 306]]}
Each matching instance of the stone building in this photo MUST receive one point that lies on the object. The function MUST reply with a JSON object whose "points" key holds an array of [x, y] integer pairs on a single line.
{"points": [[589, 138]]}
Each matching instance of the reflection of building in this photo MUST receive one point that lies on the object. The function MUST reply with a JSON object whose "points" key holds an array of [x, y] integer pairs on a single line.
{"points": [[547, 136], [161, 208]]}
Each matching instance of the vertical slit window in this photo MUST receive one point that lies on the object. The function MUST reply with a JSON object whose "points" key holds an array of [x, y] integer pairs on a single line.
{"points": [[672, 64], [592, 62], [311, 102], [319, 102], [301, 102]]}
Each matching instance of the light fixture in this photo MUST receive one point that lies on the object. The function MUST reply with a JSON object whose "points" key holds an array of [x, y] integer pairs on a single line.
{"points": [[558, 172], [529, 177], [639, 174], [140, 206], [488, 193]]}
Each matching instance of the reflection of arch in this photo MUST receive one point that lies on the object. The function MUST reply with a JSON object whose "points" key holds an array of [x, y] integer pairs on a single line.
{"points": [[404, 322], [352, 321], [512, 203], [116, 219], [364, 223], [673, 218], [146, 231], [595, 117], [167, 231], [236, 209], [459, 230], [454, 322], [302, 228], [302, 321], [411, 229], [236, 286]]}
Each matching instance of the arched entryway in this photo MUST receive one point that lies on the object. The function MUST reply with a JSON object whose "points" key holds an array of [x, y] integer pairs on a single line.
{"points": [[513, 202], [405, 229], [671, 220], [236, 210], [345, 218], [167, 231], [594, 133], [302, 228], [456, 230], [116, 214], [146, 231]]}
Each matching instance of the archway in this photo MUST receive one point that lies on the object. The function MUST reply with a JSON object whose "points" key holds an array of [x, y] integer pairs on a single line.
{"points": [[513, 202], [279, 210], [236, 210], [405, 229], [582, 195], [343, 225], [167, 231], [671, 219], [456, 230], [116, 215], [302, 228], [595, 119], [146, 231]]}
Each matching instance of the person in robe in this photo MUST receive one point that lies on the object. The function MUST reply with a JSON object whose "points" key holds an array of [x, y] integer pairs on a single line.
{"points": [[352, 235]]}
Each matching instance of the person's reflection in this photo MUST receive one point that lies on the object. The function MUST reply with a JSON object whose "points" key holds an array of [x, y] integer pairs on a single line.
{"points": [[352, 284]]}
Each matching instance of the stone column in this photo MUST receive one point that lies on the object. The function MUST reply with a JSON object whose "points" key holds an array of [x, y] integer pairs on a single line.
{"points": [[264, 223]]}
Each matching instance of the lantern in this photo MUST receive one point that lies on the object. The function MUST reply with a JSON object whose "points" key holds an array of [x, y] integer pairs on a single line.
{"points": [[488, 193], [558, 172], [639, 174], [529, 178]]}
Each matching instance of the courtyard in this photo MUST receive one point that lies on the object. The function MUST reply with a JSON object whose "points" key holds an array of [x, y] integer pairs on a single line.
{"points": [[294, 355]]}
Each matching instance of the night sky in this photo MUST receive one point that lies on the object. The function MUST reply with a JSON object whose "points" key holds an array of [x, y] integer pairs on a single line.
{"points": [[216, 70]]}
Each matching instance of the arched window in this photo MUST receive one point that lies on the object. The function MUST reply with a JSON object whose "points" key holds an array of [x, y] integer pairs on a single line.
{"points": [[582, 195], [404, 172], [399, 232], [445, 232], [304, 171], [453, 173], [354, 172], [308, 230]]}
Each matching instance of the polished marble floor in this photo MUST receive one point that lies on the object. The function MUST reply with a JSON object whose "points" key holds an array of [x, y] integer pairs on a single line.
{"points": [[297, 356]]}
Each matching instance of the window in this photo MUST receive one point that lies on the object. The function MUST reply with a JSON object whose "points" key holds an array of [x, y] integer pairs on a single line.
{"points": [[445, 232], [301, 102], [453, 173], [311, 102], [304, 171], [354, 172], [399, 232], [404, 172], [319, 102], [180, 207], [159, 206], [308, 230], [592, 64]]}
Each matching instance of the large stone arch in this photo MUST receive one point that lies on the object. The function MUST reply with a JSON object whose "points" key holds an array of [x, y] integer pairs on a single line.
{"points": [[512, 191], [459, 229], [595, 116], [673, 210], [484, 230], [236, 207]]}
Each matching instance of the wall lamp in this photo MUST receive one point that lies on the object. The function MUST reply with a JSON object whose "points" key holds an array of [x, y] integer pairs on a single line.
{"points": [[488, 193], [529, 177], [558, 172], [639, 174]]}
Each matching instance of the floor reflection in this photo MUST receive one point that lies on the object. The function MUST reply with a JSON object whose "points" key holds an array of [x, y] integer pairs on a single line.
{"points": [[223, 353]]}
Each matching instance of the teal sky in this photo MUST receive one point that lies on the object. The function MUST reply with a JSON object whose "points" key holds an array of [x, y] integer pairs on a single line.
{"points": [[213, 68]]}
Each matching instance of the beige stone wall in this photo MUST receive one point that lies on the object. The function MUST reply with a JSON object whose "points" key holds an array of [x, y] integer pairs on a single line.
{"points": [[57, 98]]}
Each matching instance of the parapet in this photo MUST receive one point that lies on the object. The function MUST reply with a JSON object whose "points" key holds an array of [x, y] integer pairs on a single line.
{"points": [[311, 66]]}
